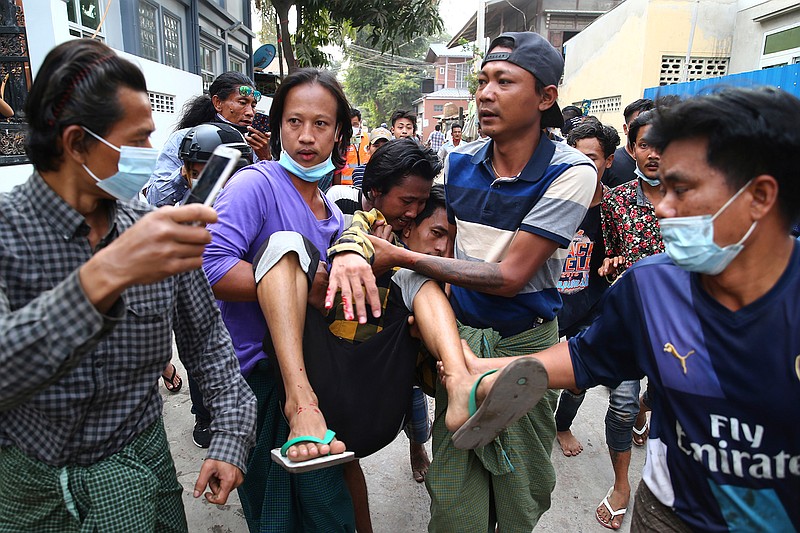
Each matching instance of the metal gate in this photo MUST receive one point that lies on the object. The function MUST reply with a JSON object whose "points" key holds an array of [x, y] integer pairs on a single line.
{"points": [[15, 72]]}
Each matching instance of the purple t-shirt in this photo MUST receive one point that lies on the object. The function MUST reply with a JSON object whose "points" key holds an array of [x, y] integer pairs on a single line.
{"points": [[258, 201]]}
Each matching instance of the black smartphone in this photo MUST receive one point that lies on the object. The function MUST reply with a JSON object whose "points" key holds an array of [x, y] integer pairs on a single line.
{"points": [[219, 168], [261, 122]]}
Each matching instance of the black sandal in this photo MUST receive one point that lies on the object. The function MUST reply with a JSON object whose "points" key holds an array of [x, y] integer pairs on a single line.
{"points": [[170, 383]]}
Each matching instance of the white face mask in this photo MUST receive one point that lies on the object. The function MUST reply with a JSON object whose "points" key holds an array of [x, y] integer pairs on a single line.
{"points": [[650, 181], [133, 170], [689, 241]]}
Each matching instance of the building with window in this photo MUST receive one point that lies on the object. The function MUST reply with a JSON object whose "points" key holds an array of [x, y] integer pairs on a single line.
{"points": [[180, 45], [644, 44], [556, 20], [766, 34], [441, 107], [452, 68]]}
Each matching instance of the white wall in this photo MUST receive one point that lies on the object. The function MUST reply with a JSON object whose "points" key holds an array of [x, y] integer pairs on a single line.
{"points": [[47, 27], [167, 80], [748, 40]]}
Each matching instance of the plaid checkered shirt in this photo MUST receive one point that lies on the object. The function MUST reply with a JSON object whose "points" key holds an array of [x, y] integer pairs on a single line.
{"points": [[77, 386], [436, 138]]}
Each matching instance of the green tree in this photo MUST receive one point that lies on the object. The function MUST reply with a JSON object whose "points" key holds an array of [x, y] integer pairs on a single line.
{"points": [[379, 83], [331, 22]]}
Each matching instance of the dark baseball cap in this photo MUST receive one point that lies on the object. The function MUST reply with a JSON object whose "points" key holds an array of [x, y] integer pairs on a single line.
{"points": [[532, 52]]}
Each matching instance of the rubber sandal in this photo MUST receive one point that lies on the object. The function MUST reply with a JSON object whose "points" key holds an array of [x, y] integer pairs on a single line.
{"points": [[170, 382], [518, 388], [611, 511], [279, 455], [643, 433], [327, 439]]}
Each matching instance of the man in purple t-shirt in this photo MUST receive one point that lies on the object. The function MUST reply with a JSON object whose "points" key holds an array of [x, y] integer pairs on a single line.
{"points": [[310, 116]]}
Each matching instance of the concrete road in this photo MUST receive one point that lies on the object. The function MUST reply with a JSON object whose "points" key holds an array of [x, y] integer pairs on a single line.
{"points": [[398, 504]]}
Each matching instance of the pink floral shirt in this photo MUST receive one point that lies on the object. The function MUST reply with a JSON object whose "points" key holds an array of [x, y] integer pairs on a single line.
{"points": [[630, 226]]}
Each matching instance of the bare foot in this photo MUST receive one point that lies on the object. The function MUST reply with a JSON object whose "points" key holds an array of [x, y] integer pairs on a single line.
{"points": [[172, 381], [419, 461], [640, 428], [617, 500], [570, 445], [309, 421]]}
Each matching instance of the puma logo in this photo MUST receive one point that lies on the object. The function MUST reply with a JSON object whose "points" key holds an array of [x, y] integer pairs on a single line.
{"points": [[669, 348]]}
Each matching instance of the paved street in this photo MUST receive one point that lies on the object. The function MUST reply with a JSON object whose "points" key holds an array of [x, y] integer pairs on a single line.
{"points": [[398, 504]]}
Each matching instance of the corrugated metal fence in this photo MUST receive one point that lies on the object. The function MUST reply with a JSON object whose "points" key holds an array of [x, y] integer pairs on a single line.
{"points": [[786, 78]]}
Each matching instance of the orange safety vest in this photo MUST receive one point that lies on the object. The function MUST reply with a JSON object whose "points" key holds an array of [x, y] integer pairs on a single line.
{"points": [[355, 156]]}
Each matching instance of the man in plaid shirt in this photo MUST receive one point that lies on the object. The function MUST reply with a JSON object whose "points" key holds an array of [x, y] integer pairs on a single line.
{"points": [[92, 285], [436, 139]]}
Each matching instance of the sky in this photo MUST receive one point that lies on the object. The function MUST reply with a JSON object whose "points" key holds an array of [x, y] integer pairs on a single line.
{"points": [[456, 13]]}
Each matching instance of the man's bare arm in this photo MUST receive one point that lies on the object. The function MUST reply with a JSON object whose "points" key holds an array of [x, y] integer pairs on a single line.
{"points": [[237, 285], [526, 255]]}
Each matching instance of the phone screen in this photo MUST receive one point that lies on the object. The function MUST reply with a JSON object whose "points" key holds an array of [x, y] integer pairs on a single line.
{"points": [[207, 181]]}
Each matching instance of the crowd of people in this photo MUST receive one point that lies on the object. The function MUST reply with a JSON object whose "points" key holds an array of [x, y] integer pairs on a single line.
{"points": [[336, 284]]}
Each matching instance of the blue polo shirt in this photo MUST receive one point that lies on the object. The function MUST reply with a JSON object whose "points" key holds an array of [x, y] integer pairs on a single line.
{"points": [[724, 445], [549, 198]]}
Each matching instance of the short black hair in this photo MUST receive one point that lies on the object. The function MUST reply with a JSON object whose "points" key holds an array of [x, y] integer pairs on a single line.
{"points": [[355, 113], [438, 127], [200, 109], [643, 119], [395, 160], [436, 200], [571, 111], [311, 76], [456, 125], [637, 106], [402, 113], [668, 100], [76, 79], [607, 136], [750, 132]]}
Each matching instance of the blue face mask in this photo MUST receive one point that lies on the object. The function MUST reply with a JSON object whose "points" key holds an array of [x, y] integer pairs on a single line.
{"points": [[651, 182], [311, 174], [133, 170], [689, 241]]}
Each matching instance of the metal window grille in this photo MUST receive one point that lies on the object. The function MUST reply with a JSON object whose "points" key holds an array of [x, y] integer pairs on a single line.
{"points": [[172, 41], [148, 30]]}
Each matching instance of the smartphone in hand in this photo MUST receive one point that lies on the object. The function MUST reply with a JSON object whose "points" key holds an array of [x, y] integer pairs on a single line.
{"points": [[261, 122], [214, 175]]}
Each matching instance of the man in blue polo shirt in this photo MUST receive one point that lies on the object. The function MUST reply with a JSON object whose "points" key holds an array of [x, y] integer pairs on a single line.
{"points": [[514, 204], [713, 322]]}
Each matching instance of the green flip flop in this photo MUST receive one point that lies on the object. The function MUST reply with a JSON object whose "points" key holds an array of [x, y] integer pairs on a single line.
{"points": [[327, 439], [518, 388], [279, 455]]}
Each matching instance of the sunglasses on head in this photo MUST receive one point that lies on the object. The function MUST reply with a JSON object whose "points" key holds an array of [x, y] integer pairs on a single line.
{"points": [[246, 90]]}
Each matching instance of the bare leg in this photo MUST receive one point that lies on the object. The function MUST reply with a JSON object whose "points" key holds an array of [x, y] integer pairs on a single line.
{"points": [[621, 494], [357, 485], [419, 461], [437, 324], [568, 404], [283, 295], [641, 431]]}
